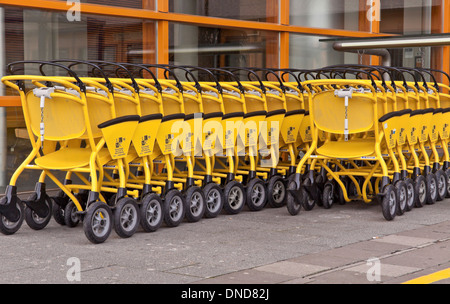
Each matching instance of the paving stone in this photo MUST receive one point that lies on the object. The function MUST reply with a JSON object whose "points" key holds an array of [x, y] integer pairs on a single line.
{"points": [[299, 281], [348, 252], [291, 268], [421, 258], [404, 240], [342, 277], [428, 232], [250, 276], [385, 269], [323, 259], [378, 248]]}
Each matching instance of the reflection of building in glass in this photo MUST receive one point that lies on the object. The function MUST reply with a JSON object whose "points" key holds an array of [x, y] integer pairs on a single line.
{"points": [[208, 33]]}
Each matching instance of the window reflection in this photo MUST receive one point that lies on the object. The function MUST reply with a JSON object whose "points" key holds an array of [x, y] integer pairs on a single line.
{"points": [[253, 10], [46, 35], [213, 47]]}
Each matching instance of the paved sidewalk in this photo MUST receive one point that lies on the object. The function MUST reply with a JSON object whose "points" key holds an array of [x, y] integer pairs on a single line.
{"points": [[269, 246], [401, 257]]}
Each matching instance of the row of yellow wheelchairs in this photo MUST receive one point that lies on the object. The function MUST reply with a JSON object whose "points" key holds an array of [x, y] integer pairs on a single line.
{"points": [[137, 149], [378, 133]]}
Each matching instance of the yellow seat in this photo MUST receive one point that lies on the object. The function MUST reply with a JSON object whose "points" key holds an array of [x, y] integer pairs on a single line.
{"points": [[69, 158], [347, 149]]}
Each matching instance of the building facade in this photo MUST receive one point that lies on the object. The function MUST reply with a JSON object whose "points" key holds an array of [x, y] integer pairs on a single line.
{"points": [[207, 33]]}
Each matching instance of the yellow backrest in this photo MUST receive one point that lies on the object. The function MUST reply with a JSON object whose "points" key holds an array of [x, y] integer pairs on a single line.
{"points": [[63, 116], [330, 112]]}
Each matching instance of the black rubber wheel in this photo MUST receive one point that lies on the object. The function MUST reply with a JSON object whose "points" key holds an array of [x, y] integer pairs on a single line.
{"points": [[126, 217], [328, 195], [411, 200], [420, 191], [402, 197], [70, 217], [340, 193], [194, 204], [174, 210], [308, 201], [276, 190], [320, 183], [389, 202], [234, 197], [97, 222], [33, 220], [293, 205], [214, 199], [432, 188], [8, 227], [59, 202], [441, 179], [447, 174], [256, 194], [58, 213], [151, 210]]}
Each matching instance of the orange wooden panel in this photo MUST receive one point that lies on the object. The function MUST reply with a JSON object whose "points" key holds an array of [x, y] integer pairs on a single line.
{"points": [[10, 101], [284, 36], [162, 14], [446, 49]]}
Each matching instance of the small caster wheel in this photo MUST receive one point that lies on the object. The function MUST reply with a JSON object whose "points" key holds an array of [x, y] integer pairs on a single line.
{"points": [[214, 200], [441, 180], [173, 208], [256, 195], [328, 195], [293, 203], [402, 197], [58, 214], [420, 191], [8, 227], [195, 204], [276, 190], [126, 217], [151, 212], [97, 222], [340, 193], [411, 196], [308, 201], [71, 218], [447, 175], [33, 220], [59, 202], [389, 202], [432, 188], [234, 197]]}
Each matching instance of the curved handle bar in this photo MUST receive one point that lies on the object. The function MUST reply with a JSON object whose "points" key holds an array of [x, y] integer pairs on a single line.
{"points": [[80, 84], [209, 73], [187, 72], [250, 72], [230, 74], [94, 66], [119, 66], [166, 70], [143, 68]]}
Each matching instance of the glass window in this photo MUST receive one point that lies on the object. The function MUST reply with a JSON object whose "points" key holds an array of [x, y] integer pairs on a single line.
{"points": [[308, 52], [46, 35], [214, 47], [334, 14], [148, 4], [253, 10]]}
